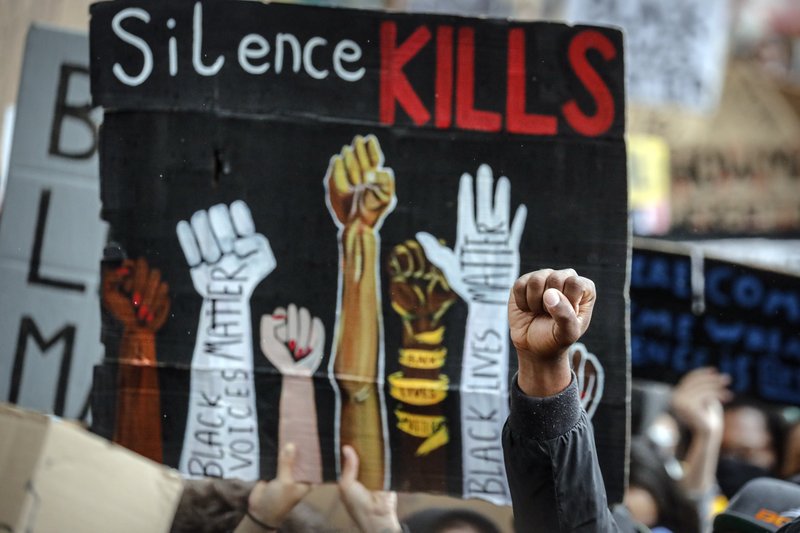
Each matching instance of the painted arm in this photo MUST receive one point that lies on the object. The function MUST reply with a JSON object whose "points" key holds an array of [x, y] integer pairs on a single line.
{"points": [[228, 259], [421, 296], [360, 193], [294, 342], [481, 269], [135, 295]]}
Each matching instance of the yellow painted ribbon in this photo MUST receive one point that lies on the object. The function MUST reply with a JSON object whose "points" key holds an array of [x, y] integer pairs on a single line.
{"points": [[431, 428], [422, 359], [433, 337], [415, 391]]}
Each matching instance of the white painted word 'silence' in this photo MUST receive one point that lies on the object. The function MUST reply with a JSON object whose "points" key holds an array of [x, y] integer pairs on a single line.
{"points": [[253, 52]]}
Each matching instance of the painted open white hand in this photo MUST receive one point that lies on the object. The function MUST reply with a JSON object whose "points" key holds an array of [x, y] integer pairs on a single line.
{"points": [[228, 259], [293, 340], [590, 375], [485, 261]]}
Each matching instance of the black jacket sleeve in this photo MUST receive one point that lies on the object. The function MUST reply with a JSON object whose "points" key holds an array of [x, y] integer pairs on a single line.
{"points": [[551, 464]]}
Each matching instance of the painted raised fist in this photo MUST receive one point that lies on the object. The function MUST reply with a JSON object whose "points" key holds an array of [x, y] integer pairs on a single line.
{"points": [[359, 186], [293, 340], [136, 295], [226, 256], [419, 291]]}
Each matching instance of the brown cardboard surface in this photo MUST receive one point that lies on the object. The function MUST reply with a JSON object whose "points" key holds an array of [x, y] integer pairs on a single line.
{"points": [[59, 477]]}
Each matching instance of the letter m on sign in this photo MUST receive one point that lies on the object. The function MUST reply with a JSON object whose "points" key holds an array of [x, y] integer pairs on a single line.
{"points": [[29, 330]]}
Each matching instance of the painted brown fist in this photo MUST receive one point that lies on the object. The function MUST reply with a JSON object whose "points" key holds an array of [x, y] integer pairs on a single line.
{"points": [[419, 291], [359, 186]]}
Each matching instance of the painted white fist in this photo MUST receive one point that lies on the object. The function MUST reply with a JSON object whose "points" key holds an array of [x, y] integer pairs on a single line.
{"points": [[226, 256]]}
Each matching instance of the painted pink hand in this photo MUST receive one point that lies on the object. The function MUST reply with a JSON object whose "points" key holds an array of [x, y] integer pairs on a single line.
{"points": [[293, 340]]}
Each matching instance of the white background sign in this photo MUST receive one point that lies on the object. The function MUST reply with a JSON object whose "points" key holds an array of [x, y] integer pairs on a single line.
{"points": [[51, 235]]}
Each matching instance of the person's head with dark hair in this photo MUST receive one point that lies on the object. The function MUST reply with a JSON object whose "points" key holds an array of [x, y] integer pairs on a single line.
{"points": [[751, 435], [441, 520], [653, 497], [211, 505]]}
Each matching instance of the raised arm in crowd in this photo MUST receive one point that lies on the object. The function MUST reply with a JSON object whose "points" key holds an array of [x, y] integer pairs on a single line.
{"points": [[548, 443]]}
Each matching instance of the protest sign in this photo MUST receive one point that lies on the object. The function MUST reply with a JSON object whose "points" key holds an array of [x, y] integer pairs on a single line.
{"points": [[320, 213], [51, 235], [675, 51], [723, 189], [687, 313], [648, 178]]}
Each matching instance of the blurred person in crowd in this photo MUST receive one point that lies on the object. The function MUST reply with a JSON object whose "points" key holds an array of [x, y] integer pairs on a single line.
{"points": [[653, 497], [790, 468], [751, 444], [439, 520], [221, 505], [697, 403], [376, 511], [683, 425]]}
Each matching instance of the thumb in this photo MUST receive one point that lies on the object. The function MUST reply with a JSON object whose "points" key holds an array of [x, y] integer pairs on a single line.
{"points": [[286, 463], [438, 254], [268, 340], [567, 328], [350, 464]]}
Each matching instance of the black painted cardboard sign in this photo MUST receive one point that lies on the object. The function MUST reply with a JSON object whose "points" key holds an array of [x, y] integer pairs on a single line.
{"points": [[319, 214], [708, 312]]}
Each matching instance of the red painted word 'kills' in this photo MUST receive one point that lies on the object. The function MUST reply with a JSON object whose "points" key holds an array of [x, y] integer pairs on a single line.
{"points": [[395, 88]]}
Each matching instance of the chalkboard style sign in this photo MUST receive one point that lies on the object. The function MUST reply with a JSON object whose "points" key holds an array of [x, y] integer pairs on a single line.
{"points": [[708, 312], [319, 214]]}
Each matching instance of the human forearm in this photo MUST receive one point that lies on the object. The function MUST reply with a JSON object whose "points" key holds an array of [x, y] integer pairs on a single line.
{"points": [[542, 378], [549, 448], [298, 424], [700, 465]]}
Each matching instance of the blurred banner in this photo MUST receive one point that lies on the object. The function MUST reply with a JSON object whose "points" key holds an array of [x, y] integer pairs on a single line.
{"points": [[51, 235], [689, 311], [738, 172], [675, 52], [320, 213]]}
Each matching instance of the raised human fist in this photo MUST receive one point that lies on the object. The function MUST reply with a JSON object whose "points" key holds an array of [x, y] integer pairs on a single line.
{"points": [[485, 261], [548, 310], [293, 340], [136, 296], [419, 291], [358, 185], [226, 255]]}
